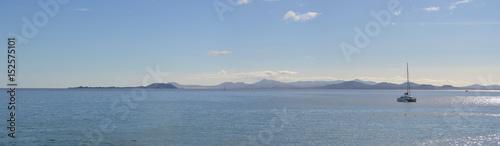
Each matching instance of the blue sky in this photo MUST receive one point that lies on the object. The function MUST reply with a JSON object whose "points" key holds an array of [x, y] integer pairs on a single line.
{"points": [[113, 42]]}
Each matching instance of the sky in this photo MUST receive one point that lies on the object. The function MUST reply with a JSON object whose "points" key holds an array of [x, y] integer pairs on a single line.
{"points": [[133, 43]]}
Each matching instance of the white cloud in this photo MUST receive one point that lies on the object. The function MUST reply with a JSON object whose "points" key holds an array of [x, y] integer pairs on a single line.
{"points": [[251, 77], [265, 74], [397, 13], [309, 57], [432, 9], [287, 73], [464, 1], [454, 5], [222, 72], [300, 17], [317, 79], [219, 53], [242, 2], [248, 76], [81, 9], [395, 79]]}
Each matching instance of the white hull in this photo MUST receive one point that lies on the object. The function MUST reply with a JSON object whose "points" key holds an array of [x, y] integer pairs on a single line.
{"points": [[401, 99], [406, 98]]}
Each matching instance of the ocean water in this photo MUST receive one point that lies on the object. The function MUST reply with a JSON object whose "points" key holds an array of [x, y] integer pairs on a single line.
{"points": [[252, 117]]}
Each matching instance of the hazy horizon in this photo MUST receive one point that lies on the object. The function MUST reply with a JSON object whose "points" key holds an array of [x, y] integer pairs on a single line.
{"points": [[130, 43], [249, 83]]}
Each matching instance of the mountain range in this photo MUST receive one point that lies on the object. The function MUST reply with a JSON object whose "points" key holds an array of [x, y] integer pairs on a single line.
{"points": [[338, 84]]}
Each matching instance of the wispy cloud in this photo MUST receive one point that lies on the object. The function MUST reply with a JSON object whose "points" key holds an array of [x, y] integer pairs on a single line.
{"points": [[309, 57], [265, 74], [215, 53], [252, 76], [290, 76], [242, 2], [397, 13], [454, 5], [81, 9], [222, 72], [399, 80], [300, 17], [432, 9]]}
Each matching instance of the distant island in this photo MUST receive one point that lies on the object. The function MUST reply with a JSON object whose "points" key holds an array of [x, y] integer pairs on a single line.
{"points": [[338, 84], [152, 86]]}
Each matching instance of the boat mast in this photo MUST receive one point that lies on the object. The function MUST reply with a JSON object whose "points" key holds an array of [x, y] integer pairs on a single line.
{"points": [[407, 79]]}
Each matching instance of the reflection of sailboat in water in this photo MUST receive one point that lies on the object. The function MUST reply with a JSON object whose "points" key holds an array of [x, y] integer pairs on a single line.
{"points": [[407, 96]]}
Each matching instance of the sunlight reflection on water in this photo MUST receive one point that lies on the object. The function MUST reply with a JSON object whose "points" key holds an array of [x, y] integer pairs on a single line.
{"points": [[493, 139], [468, 100], [213, 117]]}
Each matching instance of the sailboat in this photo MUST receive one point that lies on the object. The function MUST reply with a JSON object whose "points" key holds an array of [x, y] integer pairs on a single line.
{"points": [[224, 87], [406, 97]]}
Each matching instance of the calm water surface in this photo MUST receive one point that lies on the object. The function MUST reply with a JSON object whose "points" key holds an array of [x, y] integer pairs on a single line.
{"points": [[252, 117]]}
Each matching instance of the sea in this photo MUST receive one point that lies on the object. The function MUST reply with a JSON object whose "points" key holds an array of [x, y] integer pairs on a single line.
{"points": [[251, 117]]}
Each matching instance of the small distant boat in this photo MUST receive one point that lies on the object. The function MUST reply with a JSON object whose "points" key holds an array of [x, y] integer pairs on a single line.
{"points": [[406, 97], [224, 87]]}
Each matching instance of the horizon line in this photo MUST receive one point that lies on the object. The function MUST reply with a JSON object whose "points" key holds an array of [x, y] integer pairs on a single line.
{"points": [[360, 81]]}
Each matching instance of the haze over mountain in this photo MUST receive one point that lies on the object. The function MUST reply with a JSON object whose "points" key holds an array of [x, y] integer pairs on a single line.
{"points": [[264, 83], [338, 84]]}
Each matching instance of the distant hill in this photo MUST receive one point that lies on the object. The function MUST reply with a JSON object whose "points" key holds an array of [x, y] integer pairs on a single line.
{"points": [[385, 85], [270, 84], [338, 84], [151, 86], [481, 87], [262, 84], [161, 86], [232, 85], [180, 86], [365, 82], [348, 85], [309, 84]]}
